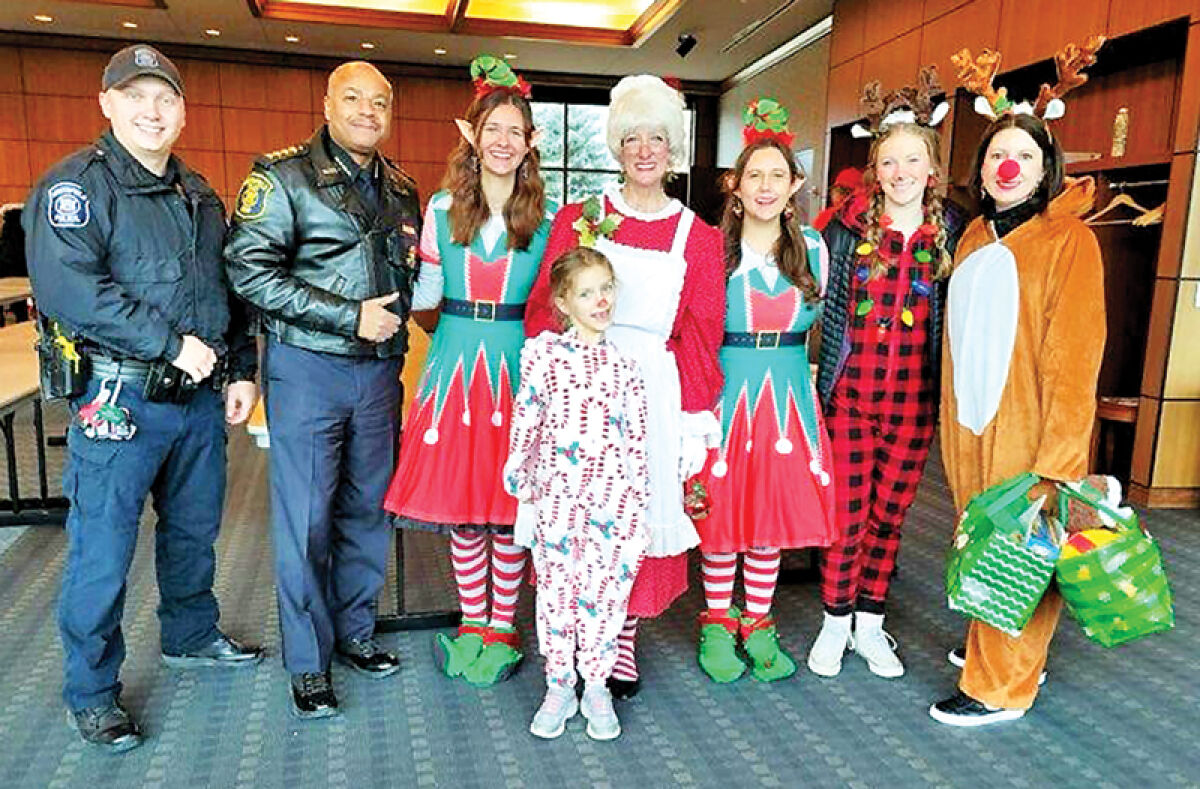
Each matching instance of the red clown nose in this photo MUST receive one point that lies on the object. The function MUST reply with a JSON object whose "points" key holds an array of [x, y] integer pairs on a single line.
{"points": [[1008, 170]]}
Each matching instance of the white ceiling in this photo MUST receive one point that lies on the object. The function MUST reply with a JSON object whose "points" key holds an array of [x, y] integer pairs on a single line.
{"points": [[713, 22]]}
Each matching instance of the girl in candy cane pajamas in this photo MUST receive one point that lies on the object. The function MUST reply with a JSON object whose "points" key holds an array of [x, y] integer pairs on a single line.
{"points": [[577, 464]]}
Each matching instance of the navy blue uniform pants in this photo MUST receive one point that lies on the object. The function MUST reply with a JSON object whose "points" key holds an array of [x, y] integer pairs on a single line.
{"points": [[333, 422], [178, 456]]}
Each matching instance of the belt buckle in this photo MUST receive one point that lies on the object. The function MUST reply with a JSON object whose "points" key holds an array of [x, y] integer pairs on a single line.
{"points": [[485, 311], [772, 342]]}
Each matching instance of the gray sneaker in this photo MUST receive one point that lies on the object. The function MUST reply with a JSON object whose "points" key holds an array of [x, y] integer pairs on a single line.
{"points": [[108, 726], [558, 707], [602, 720]]}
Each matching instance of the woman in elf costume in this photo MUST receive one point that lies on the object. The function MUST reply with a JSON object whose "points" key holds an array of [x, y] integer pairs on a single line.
{"points": [[1025, 339], [769, 482], [669, 318], [878, 378], [481, 246]]}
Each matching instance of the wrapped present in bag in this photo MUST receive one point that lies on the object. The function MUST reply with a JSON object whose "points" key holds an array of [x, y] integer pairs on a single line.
{"points": [[1113, 582], [997, 569]]}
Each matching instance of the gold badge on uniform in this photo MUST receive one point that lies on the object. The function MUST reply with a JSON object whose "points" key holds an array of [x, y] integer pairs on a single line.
{"points": [[252, 197]]}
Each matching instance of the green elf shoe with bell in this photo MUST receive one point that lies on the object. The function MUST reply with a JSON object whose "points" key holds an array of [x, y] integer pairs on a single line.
{"points": [[761, 641], [718, 646], [453, 655], [499, 659]]}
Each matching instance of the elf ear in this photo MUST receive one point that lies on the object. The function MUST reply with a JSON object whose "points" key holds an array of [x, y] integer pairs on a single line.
{"points": [[466, 130], [535, 138], [796, 185]]}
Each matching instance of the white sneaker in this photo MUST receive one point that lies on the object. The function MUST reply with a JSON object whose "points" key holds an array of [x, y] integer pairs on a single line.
{"points": [[602, 720], [825, 657], [876, 646], [558, 707]]}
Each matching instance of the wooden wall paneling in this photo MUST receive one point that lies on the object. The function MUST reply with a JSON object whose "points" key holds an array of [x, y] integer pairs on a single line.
{"points": [[1190, 223], [390, 147], [263, 131], [12, 116], [425, 140], [14, 163], [1142, 463], [62, 72], [1125, 16], [317, 80], [1177, 461], [846, 38], [1032, 30], [937, 8], [431, 99], [1181, 219], [1183, 358], [1148, 91], [244, 85], [42, 155], [13, 194], [203, 129], [1187, 127], [886, 21], [75, 119], [844, 90], [289, 89], [895, 64], [1158, 336], [10, 70], [201, 81], [974, 26]]}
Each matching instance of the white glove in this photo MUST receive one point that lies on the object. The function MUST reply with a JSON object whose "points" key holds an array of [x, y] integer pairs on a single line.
{"points": [[525, 527], [692, 454]]}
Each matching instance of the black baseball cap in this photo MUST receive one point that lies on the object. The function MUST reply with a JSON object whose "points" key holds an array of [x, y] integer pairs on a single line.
{"points": [[141, 60]]}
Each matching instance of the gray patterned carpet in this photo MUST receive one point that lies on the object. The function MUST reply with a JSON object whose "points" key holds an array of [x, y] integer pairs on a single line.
{"points": [[1119, 718]]}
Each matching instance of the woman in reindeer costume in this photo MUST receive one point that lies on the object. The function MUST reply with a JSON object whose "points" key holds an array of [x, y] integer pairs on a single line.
{"points": [[1025, 339]]}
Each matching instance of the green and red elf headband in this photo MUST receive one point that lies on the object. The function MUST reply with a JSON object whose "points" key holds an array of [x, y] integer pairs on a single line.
{"points": [[491, 74], [766, 119]]}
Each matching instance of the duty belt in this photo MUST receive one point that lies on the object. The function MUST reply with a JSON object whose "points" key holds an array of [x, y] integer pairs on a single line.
{"points": [[485, 311], [763, 340], [132, 371]]}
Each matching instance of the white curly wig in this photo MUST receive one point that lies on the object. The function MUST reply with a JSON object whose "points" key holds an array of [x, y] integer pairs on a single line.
{"points": [[644, 101]]}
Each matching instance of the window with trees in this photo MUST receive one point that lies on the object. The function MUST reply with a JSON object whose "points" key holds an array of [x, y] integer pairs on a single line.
{"points": [[576, 161]]}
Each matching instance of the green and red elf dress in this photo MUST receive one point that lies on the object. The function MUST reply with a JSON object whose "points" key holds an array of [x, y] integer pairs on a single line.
{"points": [[770, 483], [455, 441]]}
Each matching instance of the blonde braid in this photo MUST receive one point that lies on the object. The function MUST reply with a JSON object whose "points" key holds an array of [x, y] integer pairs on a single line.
{"points": [[935, 215], [874, 237]]}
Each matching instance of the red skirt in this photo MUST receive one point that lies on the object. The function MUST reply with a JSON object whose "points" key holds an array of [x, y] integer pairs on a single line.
{"points": [[767, 498], [660, 581], [449, 473]]}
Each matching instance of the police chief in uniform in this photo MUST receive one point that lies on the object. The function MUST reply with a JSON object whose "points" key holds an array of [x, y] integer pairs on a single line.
{"points": [[124, 245], [324, 245]]}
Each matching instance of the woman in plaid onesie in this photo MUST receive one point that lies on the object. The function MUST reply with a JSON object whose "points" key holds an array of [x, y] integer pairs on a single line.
{"points": [[878, 379]]}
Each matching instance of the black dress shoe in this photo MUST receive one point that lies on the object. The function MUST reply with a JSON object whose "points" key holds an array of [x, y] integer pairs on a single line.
{"points": [[312, 696], [962, 710], [623, 689], [109, 726], [223, 651], [364, 656]]}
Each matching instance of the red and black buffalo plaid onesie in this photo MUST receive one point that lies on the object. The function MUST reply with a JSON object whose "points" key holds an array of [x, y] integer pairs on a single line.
{"points": [[880, 415]]}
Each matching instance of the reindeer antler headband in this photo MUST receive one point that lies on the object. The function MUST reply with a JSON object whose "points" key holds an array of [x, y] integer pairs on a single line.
{"points": [[976, 75], [905, 105]]}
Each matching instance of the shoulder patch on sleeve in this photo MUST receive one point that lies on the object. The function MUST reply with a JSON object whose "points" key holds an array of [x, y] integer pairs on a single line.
{"points": [[67, 205], [252, 197]]}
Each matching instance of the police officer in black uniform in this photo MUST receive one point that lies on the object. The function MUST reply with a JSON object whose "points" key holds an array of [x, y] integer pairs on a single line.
{"points": [[124, 245], [324, 245]]}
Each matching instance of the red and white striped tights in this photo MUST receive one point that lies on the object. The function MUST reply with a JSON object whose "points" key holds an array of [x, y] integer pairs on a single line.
{"points": [[469, 556]]}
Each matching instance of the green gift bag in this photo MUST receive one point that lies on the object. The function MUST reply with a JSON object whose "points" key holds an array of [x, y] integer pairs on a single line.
{"points": [[1117, 591], [991, 574]]}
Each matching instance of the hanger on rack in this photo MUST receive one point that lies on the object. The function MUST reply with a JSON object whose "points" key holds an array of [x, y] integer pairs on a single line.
{"points": [[1121, 200]]}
